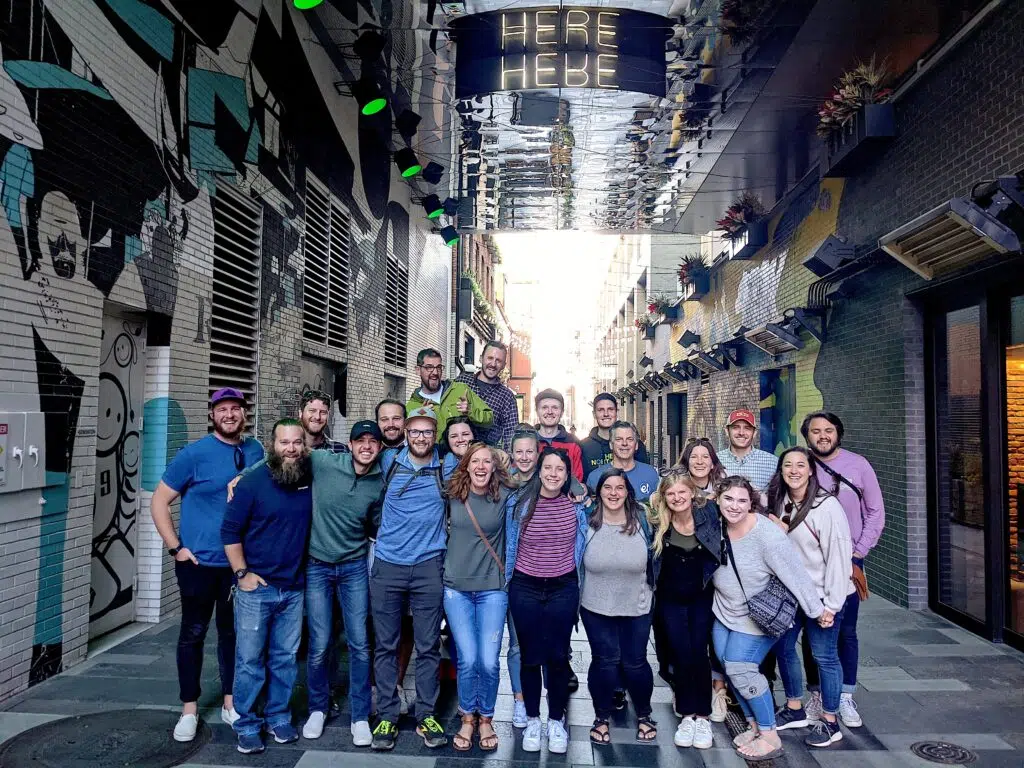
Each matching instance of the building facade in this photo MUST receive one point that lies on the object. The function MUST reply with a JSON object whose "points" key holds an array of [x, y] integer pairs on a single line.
{"points": [[191, 199], [892, 294]]}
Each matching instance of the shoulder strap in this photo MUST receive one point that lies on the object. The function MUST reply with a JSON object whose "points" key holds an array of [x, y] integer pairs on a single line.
{"points": [[483, 538], [732, 561], [839, 478]]}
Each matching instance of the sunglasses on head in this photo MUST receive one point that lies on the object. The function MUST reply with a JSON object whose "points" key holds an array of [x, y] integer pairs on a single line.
{"points": [[672, 471], [787, 514], [239, 458], [693, 440]]}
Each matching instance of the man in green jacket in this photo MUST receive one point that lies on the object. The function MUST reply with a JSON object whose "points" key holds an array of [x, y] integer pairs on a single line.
{"points": [[449, 399]]}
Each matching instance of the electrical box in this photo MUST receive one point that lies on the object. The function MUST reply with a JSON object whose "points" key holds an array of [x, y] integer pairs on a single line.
{"points": [[22, 451]]}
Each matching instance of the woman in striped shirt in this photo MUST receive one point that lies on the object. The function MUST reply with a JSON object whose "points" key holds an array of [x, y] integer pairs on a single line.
{"points": [[544, 543]]}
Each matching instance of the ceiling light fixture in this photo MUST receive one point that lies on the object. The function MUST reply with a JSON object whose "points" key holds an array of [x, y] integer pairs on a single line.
{"points": [[407, 162], [450, 235], [369, 97], [432, 205]]}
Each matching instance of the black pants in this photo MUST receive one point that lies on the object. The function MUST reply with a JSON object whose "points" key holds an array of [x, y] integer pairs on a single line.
{"points": [[544, 612], [203, 590], [684, 629], [618, 645]]}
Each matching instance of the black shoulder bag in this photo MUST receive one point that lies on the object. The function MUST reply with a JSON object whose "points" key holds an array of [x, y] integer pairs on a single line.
{"points": [[774, 608]]}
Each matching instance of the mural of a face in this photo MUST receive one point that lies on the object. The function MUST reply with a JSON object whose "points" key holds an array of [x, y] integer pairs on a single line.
{"points": [[60, 235]]}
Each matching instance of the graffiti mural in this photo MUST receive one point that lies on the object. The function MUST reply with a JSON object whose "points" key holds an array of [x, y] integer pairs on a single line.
{"points": [[118, 466]]}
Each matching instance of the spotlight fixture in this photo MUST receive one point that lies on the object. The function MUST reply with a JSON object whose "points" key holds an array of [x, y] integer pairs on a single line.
{"points": [[432, 172], [407, 162], [450, 235], [451, 206], [305, 5], [432, 205], [406, 123], [369, 97], [369, 45]]}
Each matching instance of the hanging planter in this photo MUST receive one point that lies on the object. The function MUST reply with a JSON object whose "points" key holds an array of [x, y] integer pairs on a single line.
{"points": [[744, 226], [749, 240], [857, 118], [666, 307], [697, 287], [694, 277], [646, 325]]}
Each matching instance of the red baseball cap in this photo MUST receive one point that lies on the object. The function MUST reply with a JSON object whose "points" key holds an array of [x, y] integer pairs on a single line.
{"points": [[742, 414]]}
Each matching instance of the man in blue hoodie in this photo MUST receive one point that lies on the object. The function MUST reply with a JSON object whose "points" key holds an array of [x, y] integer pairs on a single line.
{"points": [[407, 566]]}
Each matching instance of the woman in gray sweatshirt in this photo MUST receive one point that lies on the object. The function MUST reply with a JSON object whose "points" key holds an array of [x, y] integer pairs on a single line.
{"points": [[758, 550], [816, 524]]}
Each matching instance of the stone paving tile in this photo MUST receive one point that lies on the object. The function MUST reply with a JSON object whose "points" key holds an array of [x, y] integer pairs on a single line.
{"points": [[13, 723], [911, 685], [986, 741], [275, 756], [362, 760]]}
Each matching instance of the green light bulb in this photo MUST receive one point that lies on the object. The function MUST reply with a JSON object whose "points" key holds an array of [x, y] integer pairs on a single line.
{"points": [[435, 214], [375, 106], [412, 170], [305, 5]]}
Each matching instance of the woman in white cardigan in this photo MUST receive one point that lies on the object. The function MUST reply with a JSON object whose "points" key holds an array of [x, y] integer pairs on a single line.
{"points": [[817, 526]]}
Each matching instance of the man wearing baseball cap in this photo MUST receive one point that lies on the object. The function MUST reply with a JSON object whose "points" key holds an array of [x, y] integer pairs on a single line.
{"points": [[407, 568], [741, 457], [199, 474]]}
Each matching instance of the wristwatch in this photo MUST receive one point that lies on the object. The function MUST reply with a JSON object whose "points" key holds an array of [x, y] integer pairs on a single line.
{"points": [[173, 551], [241, 573]]}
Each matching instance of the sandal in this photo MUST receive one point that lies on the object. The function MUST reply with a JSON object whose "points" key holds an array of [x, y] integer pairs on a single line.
{"points": [[462, 741], [760, 750], [597, 735], [744, 738], [645, 729], [488, 741]]}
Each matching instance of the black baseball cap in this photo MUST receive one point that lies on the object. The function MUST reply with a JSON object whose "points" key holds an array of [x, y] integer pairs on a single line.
{"points": [[365, 427]]}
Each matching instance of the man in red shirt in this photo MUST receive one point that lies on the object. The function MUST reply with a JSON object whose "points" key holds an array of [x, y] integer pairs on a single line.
{"points": [[550, 406]]}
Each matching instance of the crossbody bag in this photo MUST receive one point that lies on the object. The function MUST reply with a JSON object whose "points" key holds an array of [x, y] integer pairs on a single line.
{"points": [[774, 608], [483, 538]]}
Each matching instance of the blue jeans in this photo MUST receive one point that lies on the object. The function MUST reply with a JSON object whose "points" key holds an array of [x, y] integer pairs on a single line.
{"points": [[477, 621], [740, 655], [268, 626], [350, 583], [512, 657], [823, 645], [848, 646]]}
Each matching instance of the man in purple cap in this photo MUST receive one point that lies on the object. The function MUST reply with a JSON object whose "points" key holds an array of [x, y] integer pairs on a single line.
{"points": [[199, 475]]}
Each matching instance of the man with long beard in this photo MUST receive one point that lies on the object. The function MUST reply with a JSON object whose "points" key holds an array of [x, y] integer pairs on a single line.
{"points": [[265, 535], [199, 474]]}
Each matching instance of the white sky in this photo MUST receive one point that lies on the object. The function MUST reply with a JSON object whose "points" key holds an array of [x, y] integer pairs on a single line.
{"points": [[566, 271]]}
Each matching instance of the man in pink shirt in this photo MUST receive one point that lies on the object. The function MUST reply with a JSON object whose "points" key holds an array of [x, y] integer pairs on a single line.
{"points": [[849, 477]]}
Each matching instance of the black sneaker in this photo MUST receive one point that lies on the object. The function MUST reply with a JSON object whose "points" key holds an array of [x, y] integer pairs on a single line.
{"points": [[432, 732], [384, 735], [790, 718], [574, 682], [824, 734], [619, 699]]}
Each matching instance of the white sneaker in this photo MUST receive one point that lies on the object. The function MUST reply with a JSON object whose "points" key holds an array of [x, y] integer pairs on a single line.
{"points": [[518, 713], [531, 735], [702, 737], [185, 730], [403, 702], [314, 727], [558, 739], [813, 707], [361, 735], [228, 716], [719, 705], [684, 733], [848, 711]]}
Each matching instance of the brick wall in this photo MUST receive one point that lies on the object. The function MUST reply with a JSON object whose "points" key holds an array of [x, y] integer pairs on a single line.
{"points": [[108, 205]]}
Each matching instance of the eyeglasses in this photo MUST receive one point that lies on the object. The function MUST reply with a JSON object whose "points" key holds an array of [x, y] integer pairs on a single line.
{"points": [[414, 433], [672, 471], [432, 368], [239, 458]]}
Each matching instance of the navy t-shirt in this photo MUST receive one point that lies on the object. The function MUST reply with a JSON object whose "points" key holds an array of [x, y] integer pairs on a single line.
{"points": [[200, 472], [642, 477], [272, 524]]}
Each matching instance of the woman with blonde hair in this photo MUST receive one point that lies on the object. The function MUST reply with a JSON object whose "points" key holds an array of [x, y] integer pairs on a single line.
{"points": [[687, 545], [475, 600]]}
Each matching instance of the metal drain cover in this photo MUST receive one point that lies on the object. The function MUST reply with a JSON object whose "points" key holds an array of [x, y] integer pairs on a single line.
{"points": [[943, 752], [140, 738]]}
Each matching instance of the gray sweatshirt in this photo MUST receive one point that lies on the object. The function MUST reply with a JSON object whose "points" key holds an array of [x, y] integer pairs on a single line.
{"points": [[615, 572], [763, 552], [826, 549]]}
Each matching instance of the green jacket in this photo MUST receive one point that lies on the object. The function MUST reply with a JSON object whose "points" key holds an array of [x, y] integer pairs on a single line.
{"points": [[480, 413]]}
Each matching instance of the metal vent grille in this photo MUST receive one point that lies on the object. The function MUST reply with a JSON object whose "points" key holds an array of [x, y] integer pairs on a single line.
{"points": [[396, 312], [327, 276], [773, 339], [235, 316]]}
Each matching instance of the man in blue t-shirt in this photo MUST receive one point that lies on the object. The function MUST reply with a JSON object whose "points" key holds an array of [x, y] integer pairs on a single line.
{"points": [[642, 477], [265, 534], [407, 566], [199, 475]]}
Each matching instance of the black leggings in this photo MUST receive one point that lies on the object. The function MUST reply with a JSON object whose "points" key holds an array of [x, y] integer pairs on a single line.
{"points": [[684, 629]]}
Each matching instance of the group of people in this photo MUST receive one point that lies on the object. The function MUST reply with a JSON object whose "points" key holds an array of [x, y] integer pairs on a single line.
{"points": [[447, 510]]}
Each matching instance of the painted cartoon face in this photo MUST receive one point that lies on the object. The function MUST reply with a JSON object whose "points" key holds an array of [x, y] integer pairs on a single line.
{"points": [[110, 421], [60, 235]]}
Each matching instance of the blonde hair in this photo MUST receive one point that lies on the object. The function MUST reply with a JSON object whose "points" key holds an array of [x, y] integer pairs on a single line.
{"points": [[459, 485], [660, 515]]}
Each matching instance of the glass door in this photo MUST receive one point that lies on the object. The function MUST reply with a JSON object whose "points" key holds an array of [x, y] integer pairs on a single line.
{"points": [[1013, 409]]}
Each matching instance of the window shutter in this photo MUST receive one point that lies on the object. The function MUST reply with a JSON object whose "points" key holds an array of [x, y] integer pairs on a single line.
{"points": [[327, 275], [396, 312], [234, 317]]}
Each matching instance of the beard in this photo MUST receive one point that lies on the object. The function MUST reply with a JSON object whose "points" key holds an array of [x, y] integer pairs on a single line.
{"points": [[827, 452], [290, 473], [230, 433], [396, 443]]}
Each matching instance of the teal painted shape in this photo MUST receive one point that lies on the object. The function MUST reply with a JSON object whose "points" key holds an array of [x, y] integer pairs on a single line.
{"points": [[149, 24], [252, 150], [40, 74], [158, 206], [18, 177], [132, 248], [163, 435], [204, 86], [204, 154], [50, 578]]}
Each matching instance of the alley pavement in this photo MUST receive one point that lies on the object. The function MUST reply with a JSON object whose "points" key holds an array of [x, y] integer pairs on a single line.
{"points": [[922, 679]]}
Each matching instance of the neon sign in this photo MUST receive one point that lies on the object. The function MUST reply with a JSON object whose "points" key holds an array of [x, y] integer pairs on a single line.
{"points": [[551, 48]]}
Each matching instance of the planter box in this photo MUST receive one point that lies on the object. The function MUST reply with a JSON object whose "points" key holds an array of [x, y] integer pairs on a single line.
{"points": [[671, 314], [859, 140], [648, 333], [697, 287], [752, 239]]}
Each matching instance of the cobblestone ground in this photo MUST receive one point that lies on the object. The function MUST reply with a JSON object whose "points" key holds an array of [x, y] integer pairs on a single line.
{"points": [[922, 679]]}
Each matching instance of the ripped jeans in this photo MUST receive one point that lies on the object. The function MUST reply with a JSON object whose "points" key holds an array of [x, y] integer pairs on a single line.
{"points": [[477, 622], [740, 655]]}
